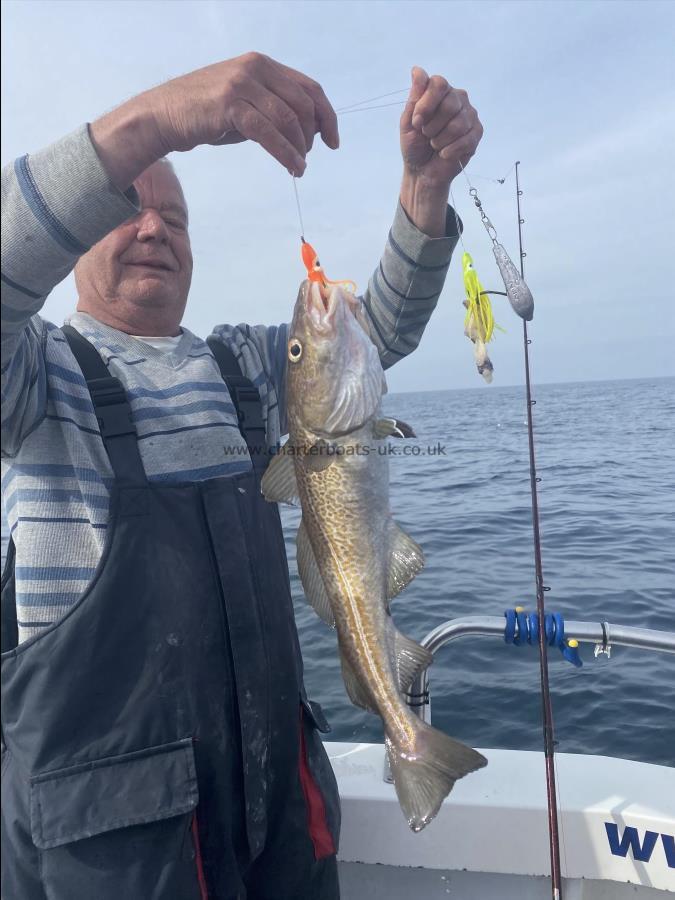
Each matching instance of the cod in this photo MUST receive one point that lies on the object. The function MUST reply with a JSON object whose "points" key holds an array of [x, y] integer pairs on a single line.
{"points": [[352, 556]]}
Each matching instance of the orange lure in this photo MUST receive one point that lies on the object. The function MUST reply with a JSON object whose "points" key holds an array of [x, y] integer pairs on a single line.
{"points": [[315, 271]]}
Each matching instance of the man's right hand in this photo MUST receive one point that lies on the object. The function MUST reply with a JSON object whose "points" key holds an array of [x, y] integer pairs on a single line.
{"points": [[251, 97]]}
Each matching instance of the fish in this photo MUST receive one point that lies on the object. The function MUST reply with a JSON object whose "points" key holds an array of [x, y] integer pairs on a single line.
{"points": [[353, 558], [517, 291]]}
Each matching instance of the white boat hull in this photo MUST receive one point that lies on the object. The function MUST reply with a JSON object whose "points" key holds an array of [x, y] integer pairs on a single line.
{"points": [[490, 838]]}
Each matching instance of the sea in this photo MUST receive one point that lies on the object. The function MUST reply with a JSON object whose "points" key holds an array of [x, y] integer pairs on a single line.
{"points": [[606, 458], [605, 453]]}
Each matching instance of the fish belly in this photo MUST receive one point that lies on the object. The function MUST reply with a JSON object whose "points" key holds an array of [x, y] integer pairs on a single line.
{"points": [[346, 511]]}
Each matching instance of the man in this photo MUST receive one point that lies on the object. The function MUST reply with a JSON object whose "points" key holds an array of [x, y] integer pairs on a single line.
{"points": [[159, 741]]}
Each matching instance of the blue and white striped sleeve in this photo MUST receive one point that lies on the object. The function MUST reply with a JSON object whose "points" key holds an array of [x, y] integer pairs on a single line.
{"points": [[404, 289], [55, 205]]}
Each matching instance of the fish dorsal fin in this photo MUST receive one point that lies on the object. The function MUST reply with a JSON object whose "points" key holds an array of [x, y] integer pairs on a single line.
{"points": [[353, 686], [310, 576], [279, 484], [408, 658], [406, 559]]}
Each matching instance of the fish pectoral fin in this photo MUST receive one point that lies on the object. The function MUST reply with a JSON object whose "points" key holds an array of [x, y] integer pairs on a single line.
{"points": [[355, 690], [279, 484], [406, 559], [385, 428], [319, 456], [408, 658], [311, 578]]}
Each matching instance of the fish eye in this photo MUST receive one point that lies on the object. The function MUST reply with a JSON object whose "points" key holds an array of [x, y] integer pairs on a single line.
{"points": [[294, 350], [317, 265]]}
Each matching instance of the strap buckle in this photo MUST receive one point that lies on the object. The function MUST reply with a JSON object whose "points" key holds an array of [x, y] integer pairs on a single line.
{"points": [[247, 404], [112, 407], [248, 408]]}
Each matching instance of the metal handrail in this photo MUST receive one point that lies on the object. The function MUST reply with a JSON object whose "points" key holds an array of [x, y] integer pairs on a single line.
{"points": [[602, 634]]}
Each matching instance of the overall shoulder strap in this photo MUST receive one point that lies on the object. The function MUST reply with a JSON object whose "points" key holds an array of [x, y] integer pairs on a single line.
{"points": [[119, 437], [112, 410], [10, 628], [246, 400]]}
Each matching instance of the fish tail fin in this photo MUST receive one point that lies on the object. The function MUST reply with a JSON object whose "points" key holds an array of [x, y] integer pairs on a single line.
{"points": [[425, 777]]}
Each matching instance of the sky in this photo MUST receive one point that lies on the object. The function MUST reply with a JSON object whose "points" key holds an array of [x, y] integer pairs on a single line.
{"points": [[582, 93]]}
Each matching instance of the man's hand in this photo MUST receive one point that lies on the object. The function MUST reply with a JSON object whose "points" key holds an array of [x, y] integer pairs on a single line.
{"points": [[439, 130], [251, 97]]}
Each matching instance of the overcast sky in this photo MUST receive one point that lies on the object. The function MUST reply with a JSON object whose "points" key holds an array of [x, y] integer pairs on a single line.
{"points": [[583, 93]]}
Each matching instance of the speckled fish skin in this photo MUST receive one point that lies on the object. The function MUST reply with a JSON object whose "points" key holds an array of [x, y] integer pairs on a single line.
{"points": [[517, 291], [334, 388], [345, 507]]}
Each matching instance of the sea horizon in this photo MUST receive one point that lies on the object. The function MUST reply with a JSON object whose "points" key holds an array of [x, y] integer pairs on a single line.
{"points": [[535, 384]]}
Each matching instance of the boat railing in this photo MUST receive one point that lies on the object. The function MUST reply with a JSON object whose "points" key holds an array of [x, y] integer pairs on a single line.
{"points": [[602, 635]]}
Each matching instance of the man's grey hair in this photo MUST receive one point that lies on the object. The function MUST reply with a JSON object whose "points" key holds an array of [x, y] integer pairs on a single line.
{"points": [[167, 162]]}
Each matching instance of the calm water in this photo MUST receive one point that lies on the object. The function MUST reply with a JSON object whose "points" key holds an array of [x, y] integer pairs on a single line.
{"points": [[606, 455]]}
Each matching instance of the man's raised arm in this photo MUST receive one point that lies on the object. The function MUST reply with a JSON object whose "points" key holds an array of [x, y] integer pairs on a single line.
{"points": [[439, 132], [55, 205], [59, 202], [251, 97]]}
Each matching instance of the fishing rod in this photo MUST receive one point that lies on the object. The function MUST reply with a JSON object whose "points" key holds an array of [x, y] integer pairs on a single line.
{"points": [[521, 301], [547, 709]]}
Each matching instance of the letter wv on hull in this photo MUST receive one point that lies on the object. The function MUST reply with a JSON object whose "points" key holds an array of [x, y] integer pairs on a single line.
{"points": [[640, 849]]}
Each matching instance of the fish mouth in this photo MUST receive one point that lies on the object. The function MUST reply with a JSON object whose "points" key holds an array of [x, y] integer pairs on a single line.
{"points": [[323, 303], [324, 293]]}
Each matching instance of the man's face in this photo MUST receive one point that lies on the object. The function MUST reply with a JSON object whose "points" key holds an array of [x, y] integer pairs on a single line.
{"points": [[141, 271]]}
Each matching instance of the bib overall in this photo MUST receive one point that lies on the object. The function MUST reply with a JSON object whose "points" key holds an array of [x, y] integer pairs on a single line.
{"points": [[158, 744]]}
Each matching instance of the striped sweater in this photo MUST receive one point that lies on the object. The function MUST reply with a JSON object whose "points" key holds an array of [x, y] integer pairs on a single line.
{"points": [[56, 475]]}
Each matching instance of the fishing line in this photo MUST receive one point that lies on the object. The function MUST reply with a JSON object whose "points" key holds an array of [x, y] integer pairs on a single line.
{"points": [[457, 223], [468, 181], [496, 180], [350, 106], [297, 203], [361, 107], [346, 112]]}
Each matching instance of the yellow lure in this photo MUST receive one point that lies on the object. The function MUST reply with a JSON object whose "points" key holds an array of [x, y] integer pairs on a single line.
{"points": [[479, 321]]}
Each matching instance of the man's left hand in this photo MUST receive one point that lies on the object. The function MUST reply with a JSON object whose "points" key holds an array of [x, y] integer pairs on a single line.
{"points": [[440, 129]]}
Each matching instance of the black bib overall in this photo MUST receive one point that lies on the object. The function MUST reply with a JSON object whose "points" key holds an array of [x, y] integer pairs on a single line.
{"points": [[158, 742]]}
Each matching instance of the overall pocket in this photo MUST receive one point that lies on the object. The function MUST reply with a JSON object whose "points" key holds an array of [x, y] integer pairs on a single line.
{"points": [[119, 828]]}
